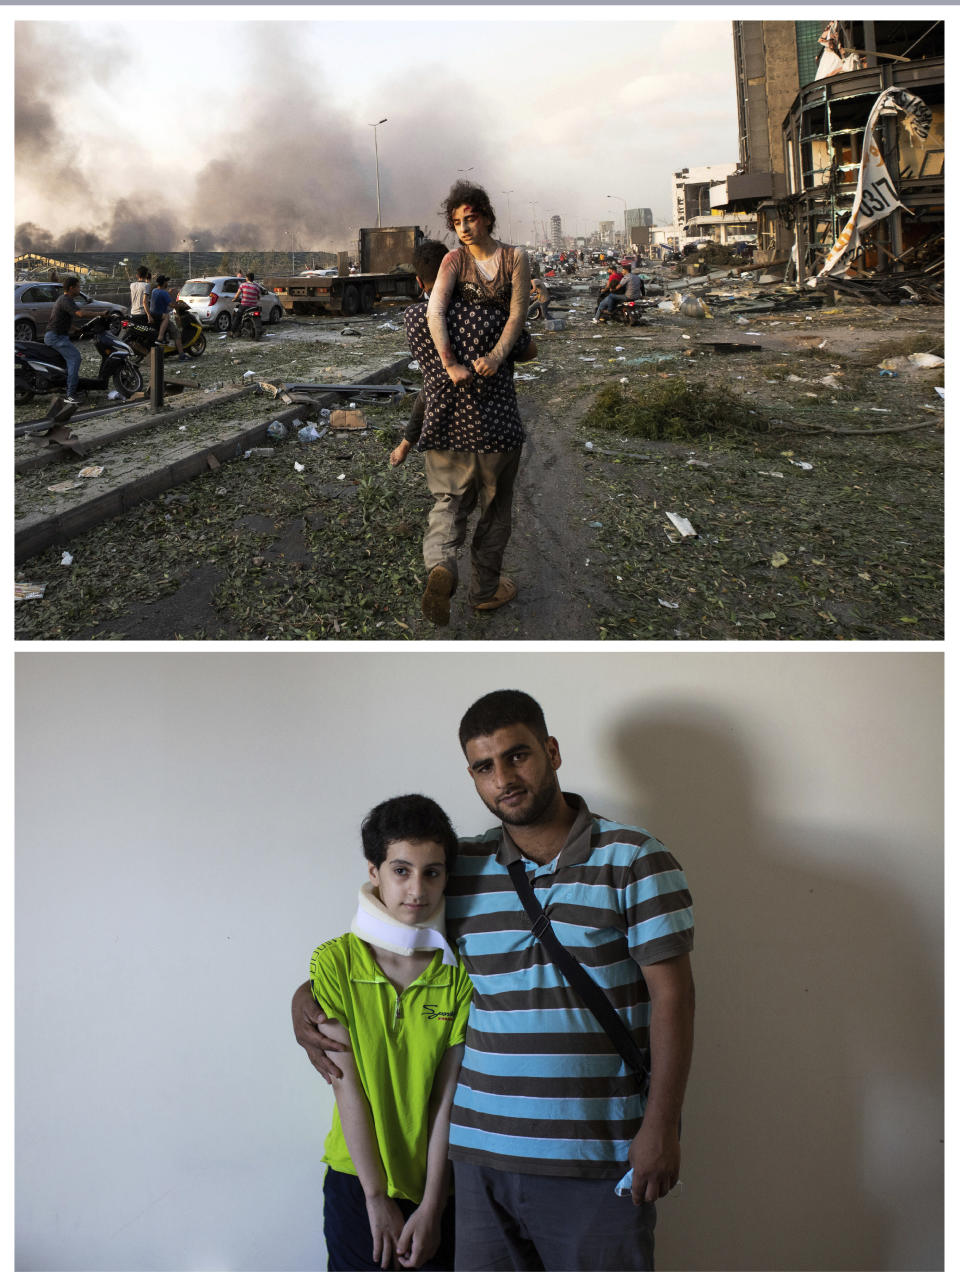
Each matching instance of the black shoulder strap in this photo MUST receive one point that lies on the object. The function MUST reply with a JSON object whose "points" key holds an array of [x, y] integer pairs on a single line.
{"points": [[592, 995]]}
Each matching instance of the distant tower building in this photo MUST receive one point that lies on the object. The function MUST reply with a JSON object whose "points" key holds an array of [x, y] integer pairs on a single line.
{"points": [[606, 232], [556, 232], [634, 220]]}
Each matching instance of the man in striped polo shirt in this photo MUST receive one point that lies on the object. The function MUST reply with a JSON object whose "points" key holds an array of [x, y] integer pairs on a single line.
{"points": [[547, 1118]]}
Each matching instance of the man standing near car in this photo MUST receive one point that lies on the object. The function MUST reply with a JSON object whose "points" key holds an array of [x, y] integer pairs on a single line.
{"points": [[57, 335], [547, 1117], [248, 296], [140, 294]]}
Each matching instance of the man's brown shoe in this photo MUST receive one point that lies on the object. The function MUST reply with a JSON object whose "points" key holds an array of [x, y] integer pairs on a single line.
{"points": [[506, 590], [435, 603]]}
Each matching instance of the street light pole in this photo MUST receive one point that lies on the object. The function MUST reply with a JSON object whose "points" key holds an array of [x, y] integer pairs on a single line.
{"points": [[374, 125]]}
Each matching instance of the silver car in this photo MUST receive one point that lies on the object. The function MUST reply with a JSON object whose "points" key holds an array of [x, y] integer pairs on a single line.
{"points": [[211, 298], [33, 304]]}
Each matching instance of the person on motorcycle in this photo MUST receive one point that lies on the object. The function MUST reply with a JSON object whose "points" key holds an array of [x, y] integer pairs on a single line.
{"points": [[161, 314], [248, 296], [630, 288], [57, 336]]}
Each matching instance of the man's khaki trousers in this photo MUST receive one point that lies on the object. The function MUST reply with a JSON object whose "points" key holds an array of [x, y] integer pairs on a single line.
{"points": [[459, 480]]}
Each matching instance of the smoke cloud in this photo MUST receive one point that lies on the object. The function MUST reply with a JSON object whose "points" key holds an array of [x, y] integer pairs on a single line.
{"points": [[292, 169]]}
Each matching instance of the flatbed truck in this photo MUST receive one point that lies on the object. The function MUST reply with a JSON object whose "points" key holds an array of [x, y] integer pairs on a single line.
{"points": [[383, 254]]}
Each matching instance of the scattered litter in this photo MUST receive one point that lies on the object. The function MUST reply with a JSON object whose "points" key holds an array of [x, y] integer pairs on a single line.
{"points": [[686, 336], [91, 471], [664, 603], [258, 451], [801, 464], [276, 430], [926, 360], [341, 477], [588, 446], [690, 306], [683, 525], [310, 433], [941, 392], [298, 466], [248, 374], [779, 560], [113, 396], [413, 366], [67, 559], [830, 381], [182, 428], [618, 348], [892, 374], [388, 325], [595, 524], [588, 359], [769, 473], [65, 486], [753, 332], [22, 590], [522, 375], [352, 419], [348, 330]]}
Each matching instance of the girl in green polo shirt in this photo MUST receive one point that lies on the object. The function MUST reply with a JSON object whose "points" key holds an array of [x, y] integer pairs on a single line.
{"points": [[395, 986]]}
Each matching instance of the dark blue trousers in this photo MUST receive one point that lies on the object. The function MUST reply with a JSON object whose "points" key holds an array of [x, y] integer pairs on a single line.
{"points": [[347, 1229]]}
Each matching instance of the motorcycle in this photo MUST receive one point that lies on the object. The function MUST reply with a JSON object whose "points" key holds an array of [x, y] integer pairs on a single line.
{"points": [[628, 311], [141, 334], [251, 323], [40, 369]]}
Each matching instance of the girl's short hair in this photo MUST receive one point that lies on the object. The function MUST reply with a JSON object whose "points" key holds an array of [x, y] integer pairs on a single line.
{"points": [[409, 817], [465, 193]]}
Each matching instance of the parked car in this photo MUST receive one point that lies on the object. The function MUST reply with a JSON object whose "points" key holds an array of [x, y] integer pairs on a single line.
{"points": [[211, 298], [33, 303]]}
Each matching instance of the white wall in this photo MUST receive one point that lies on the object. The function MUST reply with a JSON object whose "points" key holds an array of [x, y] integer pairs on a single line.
{"points": [[187, 833]]}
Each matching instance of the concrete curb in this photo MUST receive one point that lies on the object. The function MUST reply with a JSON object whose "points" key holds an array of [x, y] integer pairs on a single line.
{"points": [[35, 534]]}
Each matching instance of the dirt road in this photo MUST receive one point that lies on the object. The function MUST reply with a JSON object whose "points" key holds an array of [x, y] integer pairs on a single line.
{"points": [[805, 528]]}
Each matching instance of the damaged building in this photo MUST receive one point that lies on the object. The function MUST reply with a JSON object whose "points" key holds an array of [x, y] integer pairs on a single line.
{"points": [[805, 94]]}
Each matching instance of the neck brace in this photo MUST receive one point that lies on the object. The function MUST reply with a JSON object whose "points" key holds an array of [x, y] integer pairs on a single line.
{"points": [[373, 923]]}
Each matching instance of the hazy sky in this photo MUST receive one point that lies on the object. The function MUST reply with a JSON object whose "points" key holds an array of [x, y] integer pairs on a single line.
{"points": [[256, 131]]}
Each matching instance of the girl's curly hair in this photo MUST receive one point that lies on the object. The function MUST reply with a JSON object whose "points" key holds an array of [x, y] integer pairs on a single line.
{"points": [[466, 193]]}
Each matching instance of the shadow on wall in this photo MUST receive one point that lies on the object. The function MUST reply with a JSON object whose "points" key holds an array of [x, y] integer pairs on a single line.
{"points": [[812, 1129]]}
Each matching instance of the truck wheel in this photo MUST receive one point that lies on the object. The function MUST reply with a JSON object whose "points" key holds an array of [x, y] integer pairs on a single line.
{"points": [[350, 303], [368, 297]]}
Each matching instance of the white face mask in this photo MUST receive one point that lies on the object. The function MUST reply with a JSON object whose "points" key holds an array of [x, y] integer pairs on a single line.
{"points": [[373, 923]]}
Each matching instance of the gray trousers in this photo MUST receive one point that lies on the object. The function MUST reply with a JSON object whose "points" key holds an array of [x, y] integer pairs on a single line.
{"points": [[458, 481], [510, 1223]]}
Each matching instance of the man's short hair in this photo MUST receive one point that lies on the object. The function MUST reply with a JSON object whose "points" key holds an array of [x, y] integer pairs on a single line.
{"points": [[406, 817], [427, 259], [465, 193], [249, 276], [70, 281], [143, 271], [499, 710]]}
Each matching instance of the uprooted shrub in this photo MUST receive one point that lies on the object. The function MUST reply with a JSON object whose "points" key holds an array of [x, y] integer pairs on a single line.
{"points": [[671, 410]]}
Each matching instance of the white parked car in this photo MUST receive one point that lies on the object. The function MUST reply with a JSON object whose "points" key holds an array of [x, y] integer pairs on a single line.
{"points": [[211, 298]]}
